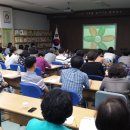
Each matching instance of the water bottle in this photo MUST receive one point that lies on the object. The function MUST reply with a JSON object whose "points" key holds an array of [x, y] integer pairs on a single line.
{"points": [[19, 70]]}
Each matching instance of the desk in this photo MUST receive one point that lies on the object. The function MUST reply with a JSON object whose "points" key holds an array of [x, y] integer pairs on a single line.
{"points": [[54, 80], [13, 103]]}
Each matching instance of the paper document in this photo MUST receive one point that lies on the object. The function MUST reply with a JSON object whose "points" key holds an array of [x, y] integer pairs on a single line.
{"points": [[87, 124]]}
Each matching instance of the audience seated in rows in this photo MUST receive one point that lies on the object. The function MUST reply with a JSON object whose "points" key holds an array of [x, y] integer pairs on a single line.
{"points": [[91, 67], [11, 58], [31, 76], [50, 56], [41, 62], [73, 79], [116, 80], [56, 108], [125, 58], [113, 114]]}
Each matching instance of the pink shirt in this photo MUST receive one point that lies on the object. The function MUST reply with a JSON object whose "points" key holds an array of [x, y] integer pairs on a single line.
{"points": [[42, 63]]}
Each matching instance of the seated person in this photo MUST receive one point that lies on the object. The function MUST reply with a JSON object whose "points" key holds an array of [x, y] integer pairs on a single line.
{"points": [[41, 62], [113, 114], [116, 80], [80, 53], [50, 56], [31, 76], [7, 50], [19, 50], [91, 67], [100, 57], [109, 56], [125, 58], [22, 57], [73, 79], [2, 58], [12, 58], [32, 49], [56, 106]]}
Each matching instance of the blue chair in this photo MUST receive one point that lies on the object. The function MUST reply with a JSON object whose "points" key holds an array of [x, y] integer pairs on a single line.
{"points": [[103, 95], [38, 71], [15, 67], [95, 77], [30, 90], [3, 65], [75, 98], [57, 63]]}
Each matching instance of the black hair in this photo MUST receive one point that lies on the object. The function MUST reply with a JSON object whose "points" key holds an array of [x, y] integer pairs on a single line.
{"points": [[26, 47], [12, 50], [41, 54], [91, 55], [111, 50], [80, 53], [9, 45], [117, 71], [100, 52], [30, 61], [77, 62], [56, 106], [61, 51], [1, 49], [113, 114], [21, 47]]}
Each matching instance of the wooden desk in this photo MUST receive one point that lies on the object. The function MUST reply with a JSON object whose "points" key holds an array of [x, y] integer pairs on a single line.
{"points": [[13, 103], [54, 80]]}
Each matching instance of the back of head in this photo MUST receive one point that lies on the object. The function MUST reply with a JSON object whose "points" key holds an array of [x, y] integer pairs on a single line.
{"points": [[117, 71], [113, 114], [9, 45], [110, 50], [91, 55], [21, 47], [80, 53], [77, 62], [41, 54], [100, 52], [30, 61], [56, 106]]}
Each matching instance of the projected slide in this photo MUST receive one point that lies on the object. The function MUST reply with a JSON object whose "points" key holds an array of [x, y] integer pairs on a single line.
{"points": [[99, 36]]}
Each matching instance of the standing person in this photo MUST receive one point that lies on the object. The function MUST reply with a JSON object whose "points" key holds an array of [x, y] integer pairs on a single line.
{"points": [[7, 50], [73, 79], [56, 107], [113, 114], [11, 58], [42, 63]]}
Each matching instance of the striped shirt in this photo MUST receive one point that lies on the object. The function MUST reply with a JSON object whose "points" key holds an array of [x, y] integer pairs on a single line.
{"points": [[73, 80]]}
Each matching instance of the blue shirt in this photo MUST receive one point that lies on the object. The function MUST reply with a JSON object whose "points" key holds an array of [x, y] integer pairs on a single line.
{"points": [[73, 80], [32, 77], [36, 124]]}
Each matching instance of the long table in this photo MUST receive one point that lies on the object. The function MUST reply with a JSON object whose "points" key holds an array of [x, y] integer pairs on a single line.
{"points": [[13, 103]]}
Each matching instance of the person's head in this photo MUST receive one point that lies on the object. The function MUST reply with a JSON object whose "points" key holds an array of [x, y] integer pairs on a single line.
{"points": [[30, 63], [80, 53], [21, 47], [91, 55], [1, 49], [77, 62], [26, 47], [117, 71], [100, 52], [110, 50], [61, 51], [113, 114], [12, 50], [56, 106], [41, 54], [32, 44], [9, 45], [24, 54]]}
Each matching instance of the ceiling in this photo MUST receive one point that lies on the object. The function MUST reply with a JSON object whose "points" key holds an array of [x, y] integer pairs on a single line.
{"points": [[58, 6]]}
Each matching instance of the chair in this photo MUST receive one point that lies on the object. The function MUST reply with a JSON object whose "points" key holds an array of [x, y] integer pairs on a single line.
{"points": [[95, 77], [30, 90], [3, 65], [38, 71], [15, 67], [103, 95], [75, 98]]}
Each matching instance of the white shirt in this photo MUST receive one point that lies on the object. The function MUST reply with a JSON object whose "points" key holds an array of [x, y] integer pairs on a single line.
{"points": [[109, 56], [13, 59]]}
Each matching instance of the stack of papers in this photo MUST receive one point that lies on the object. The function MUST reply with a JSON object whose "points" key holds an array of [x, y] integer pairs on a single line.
{"points": [[87, 124]]}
